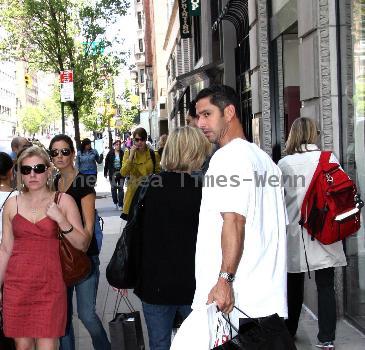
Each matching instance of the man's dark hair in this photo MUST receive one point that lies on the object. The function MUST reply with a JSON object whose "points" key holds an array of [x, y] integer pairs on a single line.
{"points": [[65, 138], [192, 109], [220, 96], [141, 132]]}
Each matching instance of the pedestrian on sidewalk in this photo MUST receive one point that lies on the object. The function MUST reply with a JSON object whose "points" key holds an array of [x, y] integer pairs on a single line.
{"points": [[112, 166], [169, 220], [35, 298], [241, 222], [6, 177], [138, 162], [87, 160], [77, 185], [302, 160]]}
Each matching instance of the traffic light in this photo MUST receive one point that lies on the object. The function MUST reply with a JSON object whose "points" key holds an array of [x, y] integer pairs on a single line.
{"points": [[28, 81]]}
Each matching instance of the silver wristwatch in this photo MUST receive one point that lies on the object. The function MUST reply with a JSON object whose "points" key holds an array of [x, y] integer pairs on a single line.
{"points": [[229, 277]]}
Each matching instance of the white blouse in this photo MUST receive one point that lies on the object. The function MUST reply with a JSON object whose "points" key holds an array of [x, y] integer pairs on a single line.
{"points": [[298, 170]]}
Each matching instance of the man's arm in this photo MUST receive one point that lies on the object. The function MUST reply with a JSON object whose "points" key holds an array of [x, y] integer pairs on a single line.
{"points": [[232, 242]]}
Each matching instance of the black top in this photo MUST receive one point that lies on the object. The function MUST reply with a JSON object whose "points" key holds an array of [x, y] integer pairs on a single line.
{"points": [[109, 166], [79, 189], [170, 221]]}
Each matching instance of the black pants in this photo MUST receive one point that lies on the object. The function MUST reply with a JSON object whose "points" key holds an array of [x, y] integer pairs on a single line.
{"points": [[117, 184], [326, 303]]}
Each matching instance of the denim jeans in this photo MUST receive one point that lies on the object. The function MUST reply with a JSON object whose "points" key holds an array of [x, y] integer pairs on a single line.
{"points": [[117, 184], [86, 292], [159, 320]]}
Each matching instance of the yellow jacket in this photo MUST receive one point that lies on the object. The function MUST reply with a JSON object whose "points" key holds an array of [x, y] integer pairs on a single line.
{"points": [[139, 167]]}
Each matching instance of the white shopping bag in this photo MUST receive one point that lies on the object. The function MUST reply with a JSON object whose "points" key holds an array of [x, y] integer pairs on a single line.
{"points": [[203, 329], [221, 331]]}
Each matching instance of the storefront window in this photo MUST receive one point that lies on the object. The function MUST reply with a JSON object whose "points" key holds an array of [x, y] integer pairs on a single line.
{"points": [[355, 246]]}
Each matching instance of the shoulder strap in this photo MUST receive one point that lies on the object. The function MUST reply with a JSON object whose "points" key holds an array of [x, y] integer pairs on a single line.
{"points": [[6, 200], [153, 157], [57, 197], [325, 157]]}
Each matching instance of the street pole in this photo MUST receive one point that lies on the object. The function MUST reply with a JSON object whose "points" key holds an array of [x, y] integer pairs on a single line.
{"points": [[63, 116]]}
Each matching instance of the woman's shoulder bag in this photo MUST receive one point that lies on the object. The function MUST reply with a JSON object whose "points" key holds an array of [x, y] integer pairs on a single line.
{"points": [[76, 265]]}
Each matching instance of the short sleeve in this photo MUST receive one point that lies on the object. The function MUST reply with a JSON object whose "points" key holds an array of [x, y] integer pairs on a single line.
{"points": [[228, 184]]}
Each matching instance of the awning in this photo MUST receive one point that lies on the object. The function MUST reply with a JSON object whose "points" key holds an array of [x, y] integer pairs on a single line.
{"points": [[177, 104], [196, 75], [236, 11]]}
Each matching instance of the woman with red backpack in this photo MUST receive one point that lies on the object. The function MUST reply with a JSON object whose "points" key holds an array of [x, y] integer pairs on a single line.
{"points": [[304, 253]]}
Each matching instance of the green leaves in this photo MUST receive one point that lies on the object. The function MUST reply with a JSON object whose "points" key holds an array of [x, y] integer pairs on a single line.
{"points": [[55, 35]]}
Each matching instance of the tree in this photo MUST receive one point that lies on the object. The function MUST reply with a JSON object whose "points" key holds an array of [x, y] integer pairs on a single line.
{"points": [[55, 35], [31, 119], [129, 111]]}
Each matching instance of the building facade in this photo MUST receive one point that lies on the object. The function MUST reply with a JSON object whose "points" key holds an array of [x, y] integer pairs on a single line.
{"points": [[140, 63], [8, 100], [286, 59]]}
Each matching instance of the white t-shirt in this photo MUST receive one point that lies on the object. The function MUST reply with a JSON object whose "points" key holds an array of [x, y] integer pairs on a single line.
{"points": [[3, 197], [260, 284]]}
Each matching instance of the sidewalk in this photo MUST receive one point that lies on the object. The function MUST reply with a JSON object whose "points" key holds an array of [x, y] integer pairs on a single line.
{"points": [[348, 338]]}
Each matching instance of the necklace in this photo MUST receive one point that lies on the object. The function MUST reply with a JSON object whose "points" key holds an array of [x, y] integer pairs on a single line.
{"points": [[66, 181]]}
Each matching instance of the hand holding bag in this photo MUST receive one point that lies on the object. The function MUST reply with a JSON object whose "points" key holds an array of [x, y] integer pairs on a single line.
{"points": [[76, 265], [266, 333], [126, 328]]}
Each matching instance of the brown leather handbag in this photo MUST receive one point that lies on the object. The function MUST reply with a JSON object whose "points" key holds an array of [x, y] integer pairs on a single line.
{"points": [[76, 265]]}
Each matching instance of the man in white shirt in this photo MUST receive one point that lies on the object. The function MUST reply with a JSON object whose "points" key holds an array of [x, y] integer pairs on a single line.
{"points": [[241, 243]]}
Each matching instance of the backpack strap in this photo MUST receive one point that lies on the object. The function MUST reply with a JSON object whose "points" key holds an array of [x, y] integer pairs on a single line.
{"points": [[153, 157], [325, 157]]}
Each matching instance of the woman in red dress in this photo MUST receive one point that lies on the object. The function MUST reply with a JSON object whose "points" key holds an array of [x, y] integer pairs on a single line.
{"points": [[34, 293]]}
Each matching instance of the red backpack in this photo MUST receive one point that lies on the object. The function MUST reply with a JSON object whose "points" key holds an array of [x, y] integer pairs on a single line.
{"points": [[331, 207]]}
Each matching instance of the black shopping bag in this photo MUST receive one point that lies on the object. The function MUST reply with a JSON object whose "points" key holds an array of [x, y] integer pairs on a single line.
{"points": [[268, 333], [126, 328]]}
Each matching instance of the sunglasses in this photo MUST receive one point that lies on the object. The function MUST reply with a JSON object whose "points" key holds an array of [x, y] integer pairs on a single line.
{"points": [[38, 169], [55, 152], [137, 139]]}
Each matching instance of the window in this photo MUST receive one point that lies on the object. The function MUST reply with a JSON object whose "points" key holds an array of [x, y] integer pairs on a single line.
{"points": [[140, 45], [141, 76], [143, 100], [139, 19]]}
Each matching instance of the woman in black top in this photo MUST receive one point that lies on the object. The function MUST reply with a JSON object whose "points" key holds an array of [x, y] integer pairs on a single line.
{"points": [[79, 187], [169, 228]]}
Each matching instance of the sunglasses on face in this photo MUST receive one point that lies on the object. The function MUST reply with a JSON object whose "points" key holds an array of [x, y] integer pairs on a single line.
{"points": [[38, 169], [137, 139], [64, 151]]}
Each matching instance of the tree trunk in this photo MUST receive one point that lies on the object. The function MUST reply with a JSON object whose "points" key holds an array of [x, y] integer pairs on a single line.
{"points": [[75, 114]]}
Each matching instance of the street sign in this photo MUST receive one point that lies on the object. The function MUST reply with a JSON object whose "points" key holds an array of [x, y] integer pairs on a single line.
{"points": [[194, 7], [67, 86], [185, 20]]}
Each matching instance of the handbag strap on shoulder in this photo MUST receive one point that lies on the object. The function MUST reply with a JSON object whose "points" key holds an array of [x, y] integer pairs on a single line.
{"points": [[57, 197]]}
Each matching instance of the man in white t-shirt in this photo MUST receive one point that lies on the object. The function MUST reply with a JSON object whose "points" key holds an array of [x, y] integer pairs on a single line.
{"points": [[241, 243]]}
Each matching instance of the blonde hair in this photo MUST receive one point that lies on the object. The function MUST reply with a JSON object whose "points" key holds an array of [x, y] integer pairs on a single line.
{"points": [[33, 151], [303, 132], [186, 150]]}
